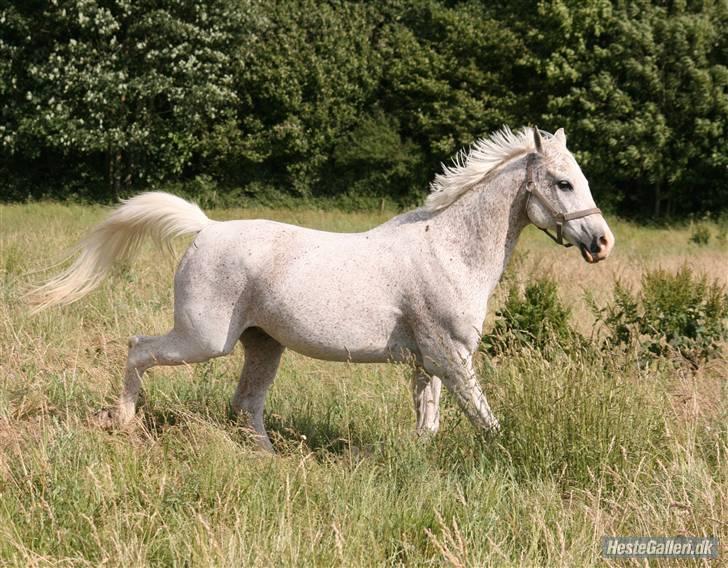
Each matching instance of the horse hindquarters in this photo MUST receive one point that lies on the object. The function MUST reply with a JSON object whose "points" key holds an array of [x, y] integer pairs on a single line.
{"points": [[208, 322]]}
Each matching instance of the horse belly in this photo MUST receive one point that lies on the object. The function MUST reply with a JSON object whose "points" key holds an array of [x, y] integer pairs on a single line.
{"points": [[356, 337]]}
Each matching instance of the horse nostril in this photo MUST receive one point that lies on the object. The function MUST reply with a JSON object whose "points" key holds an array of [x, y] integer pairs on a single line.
{"points": [[598, 245]]}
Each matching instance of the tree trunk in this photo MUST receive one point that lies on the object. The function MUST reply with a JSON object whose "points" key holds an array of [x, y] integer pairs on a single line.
{"points": [[109, 169], [118, 161], [129, 169]]}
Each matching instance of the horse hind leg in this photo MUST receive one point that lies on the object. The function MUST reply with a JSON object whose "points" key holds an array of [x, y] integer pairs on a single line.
{"points": [[175, 348], [262, 357]]}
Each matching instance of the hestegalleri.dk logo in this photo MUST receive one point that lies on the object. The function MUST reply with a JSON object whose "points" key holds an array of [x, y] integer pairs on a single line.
{"points": [[659, 547]]}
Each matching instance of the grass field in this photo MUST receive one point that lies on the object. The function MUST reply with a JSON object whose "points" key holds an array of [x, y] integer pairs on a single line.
{"points": [[592, 444]]}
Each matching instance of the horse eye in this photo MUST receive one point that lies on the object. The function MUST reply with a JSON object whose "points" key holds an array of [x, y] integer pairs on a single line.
{"points": [[565, 185]]}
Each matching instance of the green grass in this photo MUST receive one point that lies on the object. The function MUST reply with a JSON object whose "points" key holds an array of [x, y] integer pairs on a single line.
{"points": [[592, 444]]}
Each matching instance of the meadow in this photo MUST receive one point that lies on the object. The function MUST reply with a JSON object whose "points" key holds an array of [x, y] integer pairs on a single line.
{"points": [[593, 443]]}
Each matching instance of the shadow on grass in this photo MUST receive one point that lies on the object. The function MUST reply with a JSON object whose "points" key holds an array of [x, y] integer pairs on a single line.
{"points": [[157, 421], [322, 436], [319, 435]]}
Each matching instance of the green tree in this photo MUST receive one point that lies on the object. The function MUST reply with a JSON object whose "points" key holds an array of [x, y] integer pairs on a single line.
{"points": [[304, 74], [126, 90], [641, 87], [448, 78], [306, 97]]}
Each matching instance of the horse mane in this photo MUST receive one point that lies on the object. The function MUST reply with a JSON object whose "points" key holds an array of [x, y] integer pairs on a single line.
{"points": [[472, 164]]}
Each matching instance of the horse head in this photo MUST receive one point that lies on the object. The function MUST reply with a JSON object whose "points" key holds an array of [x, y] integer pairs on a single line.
{"points": [[559, 199]]}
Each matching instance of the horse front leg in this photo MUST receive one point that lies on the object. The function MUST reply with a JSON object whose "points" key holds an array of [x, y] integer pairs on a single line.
{"points": [[464, 385], [453, 363], [426, 396]]}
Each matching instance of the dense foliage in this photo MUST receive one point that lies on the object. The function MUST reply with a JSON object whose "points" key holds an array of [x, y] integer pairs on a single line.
{"points": [[534, 318], [681, 316], [673, 314], [305, 98]]}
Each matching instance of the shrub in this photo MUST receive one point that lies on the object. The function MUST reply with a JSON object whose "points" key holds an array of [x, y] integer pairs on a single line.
{"points": [[678, 313], [722, 235], [700, 235], [535, 318]]}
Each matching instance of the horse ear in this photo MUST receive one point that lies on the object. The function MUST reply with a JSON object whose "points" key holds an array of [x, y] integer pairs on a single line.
{"points": [[537, 140], [560, 135]]}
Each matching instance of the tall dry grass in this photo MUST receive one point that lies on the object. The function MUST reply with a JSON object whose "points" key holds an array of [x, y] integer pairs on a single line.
{"points": [[591, 445]]}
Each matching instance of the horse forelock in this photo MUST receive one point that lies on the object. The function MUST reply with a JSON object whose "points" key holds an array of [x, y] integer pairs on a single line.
{"points": [[471, 165]]}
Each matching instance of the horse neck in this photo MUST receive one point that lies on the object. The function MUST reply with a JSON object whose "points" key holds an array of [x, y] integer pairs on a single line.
{"points": [[485, 223]]}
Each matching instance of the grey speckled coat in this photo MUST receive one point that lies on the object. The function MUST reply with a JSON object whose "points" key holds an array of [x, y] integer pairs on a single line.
{"points": [[413, 289]]}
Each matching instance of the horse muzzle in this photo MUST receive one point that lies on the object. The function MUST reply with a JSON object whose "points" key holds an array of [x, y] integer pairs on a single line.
{"points": [[598, 249]]}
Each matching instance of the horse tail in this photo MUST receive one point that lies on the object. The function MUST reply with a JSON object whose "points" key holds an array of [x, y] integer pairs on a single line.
{"points": [[158, 215]]}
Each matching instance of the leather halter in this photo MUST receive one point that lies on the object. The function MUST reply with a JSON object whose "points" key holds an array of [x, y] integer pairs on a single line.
{"points": [[559, 217]]}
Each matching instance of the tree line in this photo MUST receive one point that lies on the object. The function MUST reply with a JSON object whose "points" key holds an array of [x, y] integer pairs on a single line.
{"points": [[358, 100]]}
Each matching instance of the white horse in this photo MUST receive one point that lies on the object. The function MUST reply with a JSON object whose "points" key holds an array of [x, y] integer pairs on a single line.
{"points": [[413, 289]]}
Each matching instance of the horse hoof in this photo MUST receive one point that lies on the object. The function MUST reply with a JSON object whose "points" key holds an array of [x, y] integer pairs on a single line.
{"points": [[425, 435], [106, 418]]}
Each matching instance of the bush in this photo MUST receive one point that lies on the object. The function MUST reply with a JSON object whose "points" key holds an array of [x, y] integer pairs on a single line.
{"points": [[700, 235], [722, 236], [535, 319], [678, 313]]}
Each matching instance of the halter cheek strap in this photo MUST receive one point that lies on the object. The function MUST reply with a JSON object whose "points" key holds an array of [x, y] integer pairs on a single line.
{"points": [[559, 217]]}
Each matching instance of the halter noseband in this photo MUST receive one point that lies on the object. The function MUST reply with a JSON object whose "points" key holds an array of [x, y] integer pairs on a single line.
{"points": [[561, 218]]}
